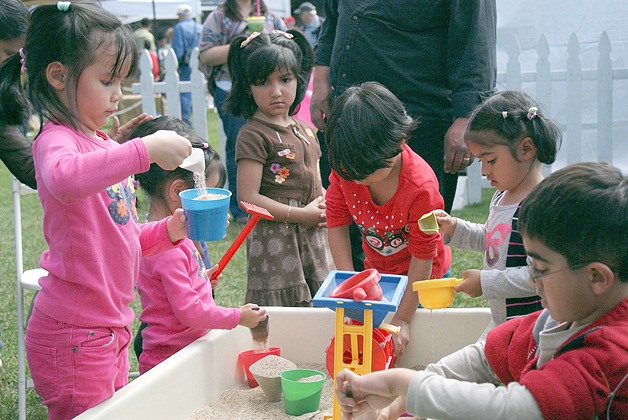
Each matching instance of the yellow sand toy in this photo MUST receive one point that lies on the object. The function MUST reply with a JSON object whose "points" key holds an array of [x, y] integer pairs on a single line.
{"points": [[353, 342]]}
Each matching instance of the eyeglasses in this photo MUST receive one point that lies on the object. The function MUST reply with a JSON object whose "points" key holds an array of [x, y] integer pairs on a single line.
{"points": [[536, 274]]}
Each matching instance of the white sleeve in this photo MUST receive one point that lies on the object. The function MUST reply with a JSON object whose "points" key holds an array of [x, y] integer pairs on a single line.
{"points": [[467, 235], [511, 282], [463, 385]]}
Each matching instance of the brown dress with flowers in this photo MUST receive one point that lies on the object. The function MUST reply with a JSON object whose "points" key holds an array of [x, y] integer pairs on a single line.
{"points": [[286, 262]]}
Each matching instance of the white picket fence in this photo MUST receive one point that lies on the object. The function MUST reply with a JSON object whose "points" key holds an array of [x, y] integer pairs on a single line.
{"points": [[171, 86], [553, 89], [568, 85]]}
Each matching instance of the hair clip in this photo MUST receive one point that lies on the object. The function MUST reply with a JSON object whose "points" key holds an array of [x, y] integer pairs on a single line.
{"points": [[532, 112], [249, 39], [205, 145], [63, 6], [286, 34], [505, 114], [22, 61]]}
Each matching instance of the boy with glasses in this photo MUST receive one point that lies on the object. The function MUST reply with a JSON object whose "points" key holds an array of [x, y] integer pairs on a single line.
{"points": [[569, 360]]}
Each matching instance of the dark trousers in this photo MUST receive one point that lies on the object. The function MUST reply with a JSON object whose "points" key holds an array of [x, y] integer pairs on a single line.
{"points": [[231, 126]]}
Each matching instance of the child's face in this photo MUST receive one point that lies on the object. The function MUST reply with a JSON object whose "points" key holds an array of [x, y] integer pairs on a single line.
{"points": [[97, 94], [381, 174], [498, 164], [564, 290], [275, 95]]}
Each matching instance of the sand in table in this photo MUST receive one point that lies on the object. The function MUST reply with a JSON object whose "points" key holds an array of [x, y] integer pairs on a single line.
{"points": [[244, 403]]}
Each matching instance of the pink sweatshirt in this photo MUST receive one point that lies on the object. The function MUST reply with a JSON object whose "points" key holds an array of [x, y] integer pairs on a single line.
{"points": [[177, 302], [90, 225]]}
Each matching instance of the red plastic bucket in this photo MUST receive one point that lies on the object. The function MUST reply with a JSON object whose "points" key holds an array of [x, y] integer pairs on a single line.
{"points": [[248, 357], [382, 351]]}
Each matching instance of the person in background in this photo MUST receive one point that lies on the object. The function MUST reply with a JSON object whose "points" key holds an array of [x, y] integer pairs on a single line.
{"points": [[15, 149], [219, 29], [533, 367], [439, 59], [512, 139], [308, 21], [163, 46], [78, 334], [185, 37], [382, 186], [154, 60], [143, 34], [177, 301], [288, 257]]}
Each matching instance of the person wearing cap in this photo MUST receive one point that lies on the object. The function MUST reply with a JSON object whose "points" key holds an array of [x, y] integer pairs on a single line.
{"points": [[308, 21], [185, 37]]}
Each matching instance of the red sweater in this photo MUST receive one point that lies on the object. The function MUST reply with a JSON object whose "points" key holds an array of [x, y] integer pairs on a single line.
{"points": [[577, 381], [391, 235]]}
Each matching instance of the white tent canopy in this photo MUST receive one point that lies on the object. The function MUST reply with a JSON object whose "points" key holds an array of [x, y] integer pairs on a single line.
{"points": [[129, 11]]}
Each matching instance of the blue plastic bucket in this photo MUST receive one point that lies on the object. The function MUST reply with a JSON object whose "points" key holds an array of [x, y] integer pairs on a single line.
{"points": [[206, 219]]}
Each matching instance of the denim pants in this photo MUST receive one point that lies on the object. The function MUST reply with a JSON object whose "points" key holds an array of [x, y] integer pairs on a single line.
{"points": [[185, 73], [231, 126], [74, 368]]}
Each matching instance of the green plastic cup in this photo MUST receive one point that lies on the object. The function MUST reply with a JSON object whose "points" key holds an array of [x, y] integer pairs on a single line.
{"points": [[301, 397]]}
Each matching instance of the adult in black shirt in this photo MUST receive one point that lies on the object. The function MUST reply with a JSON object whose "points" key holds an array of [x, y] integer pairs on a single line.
{"points": [[436, 56]]}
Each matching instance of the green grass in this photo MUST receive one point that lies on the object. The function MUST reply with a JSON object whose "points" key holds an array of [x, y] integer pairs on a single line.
{"points": [[230, 291]]}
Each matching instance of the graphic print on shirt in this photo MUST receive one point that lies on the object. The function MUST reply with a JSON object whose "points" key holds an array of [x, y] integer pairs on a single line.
{"points": [[123, 205], [201, 265], [388, 242], [281, 173], [493, 240]]}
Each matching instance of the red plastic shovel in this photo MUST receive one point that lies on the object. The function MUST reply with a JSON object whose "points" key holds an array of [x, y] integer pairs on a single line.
{"points": [[256, 213]]}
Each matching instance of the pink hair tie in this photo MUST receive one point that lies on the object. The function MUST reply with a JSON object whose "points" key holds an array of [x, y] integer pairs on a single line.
{"points": [[205, 145], [505, 114], [532, 112], [22, 61]]}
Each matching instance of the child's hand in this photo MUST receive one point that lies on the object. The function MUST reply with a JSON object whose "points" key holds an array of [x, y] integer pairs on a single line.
{"points": [[471, 284], [251, 315], [373, 391], [176, 226], [167, 149], [446, 223], [401, 340], [314, 213], [209, 272], [121, 133]]}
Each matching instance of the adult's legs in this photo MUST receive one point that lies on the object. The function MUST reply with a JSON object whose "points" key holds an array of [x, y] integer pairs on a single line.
{"points": [[428, 142], [231, 125], [185, 73], [357, 253]]}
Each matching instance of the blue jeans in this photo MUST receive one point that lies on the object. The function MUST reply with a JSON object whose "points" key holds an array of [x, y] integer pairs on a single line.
{"points": [[186, 97], [231, 125]]}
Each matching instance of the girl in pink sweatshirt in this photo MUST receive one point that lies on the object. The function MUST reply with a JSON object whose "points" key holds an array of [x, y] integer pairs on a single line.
{"points": [[174, 287], [78, 335]]}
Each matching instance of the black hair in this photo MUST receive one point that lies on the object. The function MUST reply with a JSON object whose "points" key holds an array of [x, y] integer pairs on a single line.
{"points": [[154, 179], [366, 128], [581, 212], [231, 9], [260, 57], [73, 38], [508, 115], [13, 19], [145, 22]]}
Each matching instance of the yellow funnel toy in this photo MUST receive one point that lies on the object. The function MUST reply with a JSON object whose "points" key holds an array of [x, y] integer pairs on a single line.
{"points": [[436, 293]]}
